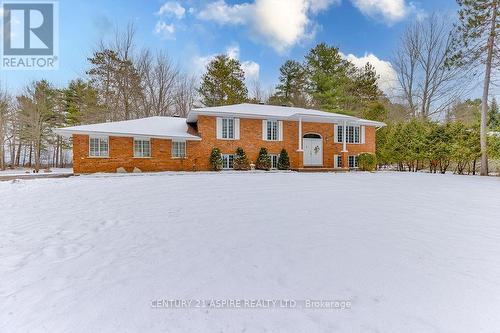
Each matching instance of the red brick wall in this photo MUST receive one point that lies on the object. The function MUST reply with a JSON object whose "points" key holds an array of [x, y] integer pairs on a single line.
{"points": [[198, 152], [121, 154]]}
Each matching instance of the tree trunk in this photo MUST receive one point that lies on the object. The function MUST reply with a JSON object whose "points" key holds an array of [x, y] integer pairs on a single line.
{"points": [[18, 155], [486, 88], [31, 154]]}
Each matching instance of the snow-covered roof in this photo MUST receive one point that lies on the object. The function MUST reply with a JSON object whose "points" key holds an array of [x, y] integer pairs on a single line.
{"points": [[156, 127], [261, 111]]}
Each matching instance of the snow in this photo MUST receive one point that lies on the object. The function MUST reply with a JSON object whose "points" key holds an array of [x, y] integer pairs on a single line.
{"points": [[160, 127], [29, 171], [412, 252], [279, 112]]}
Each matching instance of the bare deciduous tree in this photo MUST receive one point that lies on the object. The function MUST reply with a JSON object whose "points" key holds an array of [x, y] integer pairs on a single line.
{"points": [[4, 120], [428, 87], [185, 94]]}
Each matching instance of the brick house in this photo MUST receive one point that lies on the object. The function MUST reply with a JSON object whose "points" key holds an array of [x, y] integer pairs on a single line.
{"points": [[312, 138]]}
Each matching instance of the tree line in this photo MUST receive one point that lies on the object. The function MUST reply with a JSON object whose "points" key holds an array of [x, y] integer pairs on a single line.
{"points": [[122, 83], [436, 63]]}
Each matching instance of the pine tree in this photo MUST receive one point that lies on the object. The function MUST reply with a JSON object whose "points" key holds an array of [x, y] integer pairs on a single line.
{"points": [[223, 83], [263, 161], [494, 116], [283, 160], [215, 159], [475, 43], [292, 89], [328, 74], [240, 160]]}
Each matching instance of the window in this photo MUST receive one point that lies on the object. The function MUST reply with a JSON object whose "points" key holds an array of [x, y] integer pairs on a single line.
{"points": [[227, 128], [271, 130], [274, 161], [227, 161], [178, 149], [353, 161], [98, 147], [339, 161], [352, 134], [142, 148]]}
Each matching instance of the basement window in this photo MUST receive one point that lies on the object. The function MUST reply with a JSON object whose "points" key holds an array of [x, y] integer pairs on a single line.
{"points": [[227, 161], [353, 161], [98, 147], [274, 161]]}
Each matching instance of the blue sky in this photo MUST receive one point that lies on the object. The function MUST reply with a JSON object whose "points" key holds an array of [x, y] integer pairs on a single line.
{"points": [[262, 34]]}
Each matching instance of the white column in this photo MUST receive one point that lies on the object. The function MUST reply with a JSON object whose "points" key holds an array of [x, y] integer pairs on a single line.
{"points": [[300, 134], [344, 138]]}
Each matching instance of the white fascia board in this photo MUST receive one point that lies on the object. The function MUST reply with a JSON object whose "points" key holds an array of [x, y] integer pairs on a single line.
{"points": [[334, 118], [69, 133]]}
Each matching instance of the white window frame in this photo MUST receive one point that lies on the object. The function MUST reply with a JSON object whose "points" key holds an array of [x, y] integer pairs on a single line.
{"points": [[176, 151], [140, 153], [353, 134], [274, 161], [226, 164], [228, 130], [272, 130], [338, 161], [355, 161], [99, 150]]}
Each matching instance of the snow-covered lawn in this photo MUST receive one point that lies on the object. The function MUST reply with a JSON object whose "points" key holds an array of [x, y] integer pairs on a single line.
{"points": [[411, 252], [29, 171]]}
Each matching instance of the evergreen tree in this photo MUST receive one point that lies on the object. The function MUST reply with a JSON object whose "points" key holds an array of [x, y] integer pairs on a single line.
{"points": [[292, 89], [80, 103], [223, 83], [475, 43], [365, 84], [375, 111], [264, 160], [494, 116], [328, 74], [215, 159], [283, 160], [240, 160], [336, 85]]}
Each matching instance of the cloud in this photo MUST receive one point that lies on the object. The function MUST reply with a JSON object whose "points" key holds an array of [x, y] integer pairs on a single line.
{"points": [[280, 23], [172, 8], [321, 5], [251, 68], [220, 12], [165, 30], [388, 77], [233, 51], [390, 11]]}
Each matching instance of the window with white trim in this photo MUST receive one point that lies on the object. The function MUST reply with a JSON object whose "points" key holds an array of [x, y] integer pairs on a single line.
{"points": [[178, 149], [227, 161], [274, 161], [353, 161], [353, 134], [227, 128], [272, 130], [98, 147], [339, 161], [142, 147]]}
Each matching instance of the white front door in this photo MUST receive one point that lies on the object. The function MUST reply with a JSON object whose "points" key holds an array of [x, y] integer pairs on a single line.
{"points": [[313, 151]]}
